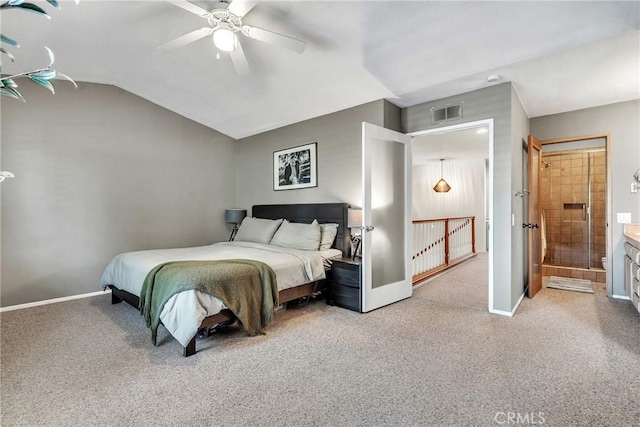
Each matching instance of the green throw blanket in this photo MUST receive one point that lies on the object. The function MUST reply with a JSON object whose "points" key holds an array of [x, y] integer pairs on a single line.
{"points": [[248, 288]]}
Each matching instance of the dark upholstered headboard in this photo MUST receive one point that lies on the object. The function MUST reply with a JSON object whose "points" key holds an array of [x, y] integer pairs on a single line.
{"points": [[306, 213]]}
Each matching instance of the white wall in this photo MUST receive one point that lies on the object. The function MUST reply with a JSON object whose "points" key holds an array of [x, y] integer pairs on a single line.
{"points": [[467, 196], [100, 171]]}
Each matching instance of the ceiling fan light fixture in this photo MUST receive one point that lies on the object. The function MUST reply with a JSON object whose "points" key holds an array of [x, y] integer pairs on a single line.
{"points": [[225, 40]]}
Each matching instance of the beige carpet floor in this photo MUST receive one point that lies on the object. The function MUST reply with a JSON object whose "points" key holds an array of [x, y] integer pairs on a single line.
{"points": [[438, 358]]}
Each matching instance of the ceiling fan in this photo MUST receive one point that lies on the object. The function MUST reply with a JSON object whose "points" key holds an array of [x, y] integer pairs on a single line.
{"points": [[225, 24]]}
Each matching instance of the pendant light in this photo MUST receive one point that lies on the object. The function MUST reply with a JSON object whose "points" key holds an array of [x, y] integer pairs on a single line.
{"points": [[441, 186]]}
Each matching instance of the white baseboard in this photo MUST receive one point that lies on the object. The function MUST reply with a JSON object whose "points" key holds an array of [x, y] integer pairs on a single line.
{"points": [[53, 301], [623, 297], [501, 312], [508, 313]]}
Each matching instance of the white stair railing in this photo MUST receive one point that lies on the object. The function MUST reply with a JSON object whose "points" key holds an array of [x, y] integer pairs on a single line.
{"points": [[440, 243]]}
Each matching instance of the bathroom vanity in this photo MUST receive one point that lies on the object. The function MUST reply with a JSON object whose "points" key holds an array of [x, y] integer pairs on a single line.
{"points": [[632, 263]]}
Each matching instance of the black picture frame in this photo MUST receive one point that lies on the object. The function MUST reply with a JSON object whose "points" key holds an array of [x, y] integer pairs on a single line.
{"points": [[296, 167]]}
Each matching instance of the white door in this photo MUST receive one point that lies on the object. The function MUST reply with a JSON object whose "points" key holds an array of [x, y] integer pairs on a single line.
{"points": [[386, 217]]}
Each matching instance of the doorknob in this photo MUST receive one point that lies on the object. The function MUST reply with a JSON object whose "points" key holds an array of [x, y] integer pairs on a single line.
{"points": [[368, 228]]}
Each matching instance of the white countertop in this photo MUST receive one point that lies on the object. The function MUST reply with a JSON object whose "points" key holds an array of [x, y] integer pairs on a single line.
{"points": [[632, 234]]}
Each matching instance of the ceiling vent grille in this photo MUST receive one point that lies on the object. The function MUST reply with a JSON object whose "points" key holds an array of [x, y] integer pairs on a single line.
{"points": [[446, 113]]}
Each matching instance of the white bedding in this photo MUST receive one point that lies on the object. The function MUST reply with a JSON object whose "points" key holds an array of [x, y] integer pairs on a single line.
{"points": [[184, 312]]}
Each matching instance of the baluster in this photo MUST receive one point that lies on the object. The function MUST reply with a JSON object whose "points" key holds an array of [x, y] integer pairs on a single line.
{"points": [[450, 239], [423, 238], [416, 240]]}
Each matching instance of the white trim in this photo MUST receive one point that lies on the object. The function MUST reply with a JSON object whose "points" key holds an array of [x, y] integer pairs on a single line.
{"points": [[467, 125], [508, 313], [622, 297], [609, 226], [53, 301], [501, 312]]}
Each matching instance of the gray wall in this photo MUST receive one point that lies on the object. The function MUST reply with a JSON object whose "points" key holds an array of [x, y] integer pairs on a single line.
{"points": [[339, 138], [621, 121], [492, 102], [392, 115], [100, 171]]}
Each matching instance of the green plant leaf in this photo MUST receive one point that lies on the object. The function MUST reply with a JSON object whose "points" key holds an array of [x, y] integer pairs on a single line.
{"points": [[54, 3], [44, 83], [45, 75], [11, 57], [64, 76], [11, 93], [9, 83], [7, 40], [30, 7]]}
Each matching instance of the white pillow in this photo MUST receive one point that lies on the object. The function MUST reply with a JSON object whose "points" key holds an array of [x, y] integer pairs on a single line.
{"points": [[257, 230], [297, 236], [328, 234]]}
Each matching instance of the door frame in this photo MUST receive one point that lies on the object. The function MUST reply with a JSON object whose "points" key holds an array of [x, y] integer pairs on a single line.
{"points": [[489, 187], [534, 280], [609, 215]]}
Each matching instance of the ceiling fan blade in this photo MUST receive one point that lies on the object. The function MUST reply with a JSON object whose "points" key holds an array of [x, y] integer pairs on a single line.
{"points": [[239, 60], [190, 7], [241, 7], [274, 38], [186, 39]]}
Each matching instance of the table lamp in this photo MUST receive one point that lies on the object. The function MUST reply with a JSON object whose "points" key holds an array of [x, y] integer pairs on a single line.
{"points": [[354, 220], [235, 217]]}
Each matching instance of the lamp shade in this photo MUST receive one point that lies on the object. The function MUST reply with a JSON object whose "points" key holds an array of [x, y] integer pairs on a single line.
{"points": [[354, 218], [234, 216], [224, 40], [441, 186]]}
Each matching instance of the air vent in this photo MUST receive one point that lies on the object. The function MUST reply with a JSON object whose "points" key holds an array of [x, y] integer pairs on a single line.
{"points": [[446, 113]]}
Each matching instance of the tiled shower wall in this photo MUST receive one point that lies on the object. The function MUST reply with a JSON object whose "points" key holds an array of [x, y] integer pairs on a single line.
{"points": [[564, 196]]}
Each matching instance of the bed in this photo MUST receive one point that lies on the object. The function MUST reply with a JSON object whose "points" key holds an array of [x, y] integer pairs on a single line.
{"points": [[300, 273]]}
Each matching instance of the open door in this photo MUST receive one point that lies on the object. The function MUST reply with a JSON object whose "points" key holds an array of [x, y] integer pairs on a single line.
{"points": [[534, 218], [386, 217]]}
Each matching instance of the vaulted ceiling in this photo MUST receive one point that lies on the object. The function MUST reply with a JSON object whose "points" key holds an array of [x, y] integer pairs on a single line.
{"points": [[561, 56]]}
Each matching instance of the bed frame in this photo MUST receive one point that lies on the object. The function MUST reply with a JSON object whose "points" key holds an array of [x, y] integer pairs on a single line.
{"points": [[305, 213]]}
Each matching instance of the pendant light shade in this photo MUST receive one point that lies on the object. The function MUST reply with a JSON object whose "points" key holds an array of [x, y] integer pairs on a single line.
{"points": [[441, 186]]}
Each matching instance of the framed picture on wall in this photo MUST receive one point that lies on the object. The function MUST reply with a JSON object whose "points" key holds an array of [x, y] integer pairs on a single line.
{"points": [[295, 168]]}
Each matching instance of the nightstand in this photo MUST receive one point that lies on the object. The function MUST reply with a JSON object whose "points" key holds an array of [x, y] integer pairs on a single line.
{"points": [[344, 284]]}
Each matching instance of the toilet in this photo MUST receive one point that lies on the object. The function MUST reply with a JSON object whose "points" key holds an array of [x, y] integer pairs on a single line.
{"points": [[604, 262]]}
